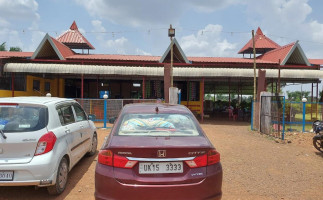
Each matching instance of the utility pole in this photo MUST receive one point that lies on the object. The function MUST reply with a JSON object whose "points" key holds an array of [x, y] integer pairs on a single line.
{"points": [[171, 34], [278, 91], [254, 66]]}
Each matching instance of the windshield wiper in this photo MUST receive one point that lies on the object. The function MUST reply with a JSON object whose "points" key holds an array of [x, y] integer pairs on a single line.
{"points": [[3, 135]]}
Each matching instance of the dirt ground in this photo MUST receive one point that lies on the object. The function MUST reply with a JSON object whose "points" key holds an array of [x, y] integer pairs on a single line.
{"points": [[255, 167]]}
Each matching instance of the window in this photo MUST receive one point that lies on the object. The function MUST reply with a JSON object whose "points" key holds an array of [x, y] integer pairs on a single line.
{"points": [[47, 86], [157, 125], [36, 85], [80, 114], [66, 115], [5, 82], [20, 82], [22, 118]]}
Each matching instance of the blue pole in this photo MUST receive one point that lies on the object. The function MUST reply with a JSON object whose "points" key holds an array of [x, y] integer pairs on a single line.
{"points": [[105, 114], [252, 115], [304, 109], [283, 133]]}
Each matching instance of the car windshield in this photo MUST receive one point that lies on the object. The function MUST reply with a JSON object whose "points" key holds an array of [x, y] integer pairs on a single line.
{"points": [[21, 118], [157, 125]]}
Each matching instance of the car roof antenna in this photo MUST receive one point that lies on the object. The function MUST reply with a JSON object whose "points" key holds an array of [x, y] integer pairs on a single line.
{"points": [[156, 109]]}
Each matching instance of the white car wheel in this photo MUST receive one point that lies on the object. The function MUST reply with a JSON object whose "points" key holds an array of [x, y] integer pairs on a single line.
{"points": [[61, 180]]}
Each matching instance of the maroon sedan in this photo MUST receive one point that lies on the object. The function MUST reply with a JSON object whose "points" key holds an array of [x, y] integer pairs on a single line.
{"points": [[157, 151]]}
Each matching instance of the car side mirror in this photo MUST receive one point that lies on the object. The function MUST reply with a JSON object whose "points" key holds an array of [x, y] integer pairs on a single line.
{"points": [[91, 117], [112, 120]]}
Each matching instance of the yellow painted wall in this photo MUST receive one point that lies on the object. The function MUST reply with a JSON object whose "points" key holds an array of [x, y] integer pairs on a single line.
{"points": [[56, 86]]}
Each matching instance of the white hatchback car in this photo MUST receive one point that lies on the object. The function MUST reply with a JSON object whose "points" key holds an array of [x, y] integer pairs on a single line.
{"points": [[41, 139]]}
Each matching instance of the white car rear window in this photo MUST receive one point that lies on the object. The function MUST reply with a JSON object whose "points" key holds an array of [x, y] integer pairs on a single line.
{"points": [[21, 118], [157, 125]]}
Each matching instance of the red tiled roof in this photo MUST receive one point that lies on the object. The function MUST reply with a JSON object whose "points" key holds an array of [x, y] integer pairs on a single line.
{"points": [[262, 44], [316, 61], [226, 60], [64, 50], [157, 58], [74, 39], [15, 54], [277, 54], [115, 57]]}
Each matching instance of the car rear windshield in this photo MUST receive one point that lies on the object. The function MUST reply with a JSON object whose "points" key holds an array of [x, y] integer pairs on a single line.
{"points": [[22, 118], [157, 125]]}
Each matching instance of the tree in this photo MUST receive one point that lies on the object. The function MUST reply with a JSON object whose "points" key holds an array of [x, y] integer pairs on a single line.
{"points": [[3, 47], [15, 49], [208, 97], [297, 95]]}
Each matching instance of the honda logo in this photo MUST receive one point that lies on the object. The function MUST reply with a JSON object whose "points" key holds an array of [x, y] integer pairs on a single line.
{"points": [[161, 153]]}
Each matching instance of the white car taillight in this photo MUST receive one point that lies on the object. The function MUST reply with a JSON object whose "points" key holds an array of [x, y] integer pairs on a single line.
{"points": [[45, 144]]}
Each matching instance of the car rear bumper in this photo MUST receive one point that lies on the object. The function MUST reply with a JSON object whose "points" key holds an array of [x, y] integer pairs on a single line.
{"points": [[19, 183], [107, 187], [40, 171]]}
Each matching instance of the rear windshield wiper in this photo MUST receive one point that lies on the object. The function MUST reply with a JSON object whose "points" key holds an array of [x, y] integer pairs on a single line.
{"points": [[3, 135]]}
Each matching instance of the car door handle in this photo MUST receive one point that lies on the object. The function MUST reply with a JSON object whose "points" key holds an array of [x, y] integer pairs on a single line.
{"points": [[67, 131], [81, 126]]}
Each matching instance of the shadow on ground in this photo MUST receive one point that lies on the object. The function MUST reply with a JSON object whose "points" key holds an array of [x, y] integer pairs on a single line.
{"points": [[75, 175]]}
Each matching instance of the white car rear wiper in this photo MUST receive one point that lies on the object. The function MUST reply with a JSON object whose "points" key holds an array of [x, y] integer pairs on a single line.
{"points": [[3, 135]]}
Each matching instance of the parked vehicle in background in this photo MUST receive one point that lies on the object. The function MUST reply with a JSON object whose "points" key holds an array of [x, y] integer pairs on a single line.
{"points": [[41, 139], [157, 151], [318, 138]]}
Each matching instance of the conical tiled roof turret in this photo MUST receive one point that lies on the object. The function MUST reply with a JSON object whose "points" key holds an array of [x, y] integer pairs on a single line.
{"points": [[74, 39], [262, 44]]}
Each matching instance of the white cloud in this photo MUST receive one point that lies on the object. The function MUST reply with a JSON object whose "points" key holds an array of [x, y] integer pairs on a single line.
{"points": [[97, 24], [142, 52], [212, 5], [120, 45], [208, 42], [288, 19], [19, 13], [19, 9], [140, 13], [98, 28], [4, 23], [34, 38]]}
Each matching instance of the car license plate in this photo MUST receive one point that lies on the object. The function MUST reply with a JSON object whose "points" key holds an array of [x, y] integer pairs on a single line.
{"points": [[6, 175], [160, 167]]}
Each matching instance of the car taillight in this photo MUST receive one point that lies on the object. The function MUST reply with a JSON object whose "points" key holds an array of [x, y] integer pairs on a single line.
{"points": [[213, 157], [106, 157], [210, 158], [45, 143], [123, 162]]}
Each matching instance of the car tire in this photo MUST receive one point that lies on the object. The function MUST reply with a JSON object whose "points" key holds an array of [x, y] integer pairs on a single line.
{"points": [[317, 142], [94, 145], [61, 179]]}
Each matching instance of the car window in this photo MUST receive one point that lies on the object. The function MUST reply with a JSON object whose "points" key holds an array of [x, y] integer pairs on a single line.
{"points": [[66, 115], [157, 125], [22, 118], [79, 112]]}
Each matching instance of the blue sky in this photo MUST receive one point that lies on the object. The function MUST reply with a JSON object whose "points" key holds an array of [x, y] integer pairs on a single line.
{"points": [[139, 27]]}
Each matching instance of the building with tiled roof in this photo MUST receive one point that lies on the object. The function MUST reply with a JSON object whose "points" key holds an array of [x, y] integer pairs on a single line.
{"points": [[56, 68], [263, 44], [74, 39]]}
